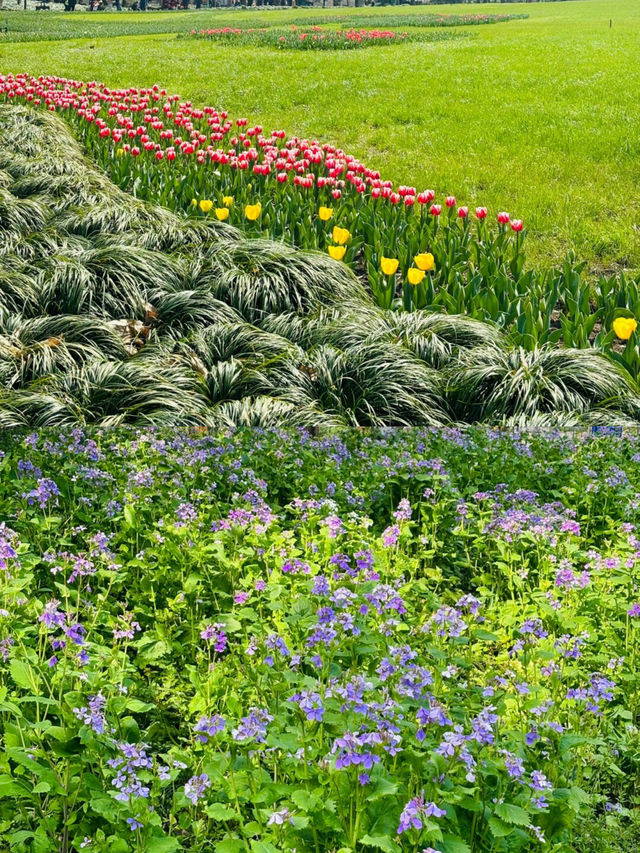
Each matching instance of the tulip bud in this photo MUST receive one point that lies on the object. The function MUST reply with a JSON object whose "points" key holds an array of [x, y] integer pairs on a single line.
{"points": [[481, 212], [463, 212], [435, 210], [450, 200], [503, 217], [517, 225]]}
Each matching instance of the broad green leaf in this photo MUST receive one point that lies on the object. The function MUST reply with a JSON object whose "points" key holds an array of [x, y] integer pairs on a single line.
{"points": [[218, 811], [163, 845], [510, 813], [23, 674], [381, 842]]}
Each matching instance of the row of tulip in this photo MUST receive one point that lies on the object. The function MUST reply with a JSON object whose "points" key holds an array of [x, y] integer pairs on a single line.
{"points": [[172, 153], [315, 38]]}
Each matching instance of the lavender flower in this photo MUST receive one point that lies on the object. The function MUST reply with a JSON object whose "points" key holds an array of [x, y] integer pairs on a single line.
{"points": [[195, 788]]}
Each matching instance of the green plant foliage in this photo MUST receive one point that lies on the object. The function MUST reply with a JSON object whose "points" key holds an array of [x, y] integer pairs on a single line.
{"points": [[274, 639]]}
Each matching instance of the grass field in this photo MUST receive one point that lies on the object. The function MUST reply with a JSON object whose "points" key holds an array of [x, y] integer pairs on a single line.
{"points": [[536, 116]]}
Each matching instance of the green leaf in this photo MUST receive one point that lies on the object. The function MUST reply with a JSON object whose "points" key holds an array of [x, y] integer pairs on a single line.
{"points": [[163, 845], [22, 674], [263, 847], [510, 813], [218, 811], [305, 801], [453, 845], [137, 706], [382, 842], [229, 845], [498, 828]]}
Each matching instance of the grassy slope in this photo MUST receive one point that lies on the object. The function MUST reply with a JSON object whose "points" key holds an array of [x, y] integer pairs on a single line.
{"points": [[536, 116]]}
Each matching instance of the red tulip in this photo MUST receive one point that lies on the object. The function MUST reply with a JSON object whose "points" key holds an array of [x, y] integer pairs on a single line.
{"points": [[481, 212], [463, 212], [435, 210], [135, 151], [450, 200], [426, 196], [516, 225], [503, 217]]}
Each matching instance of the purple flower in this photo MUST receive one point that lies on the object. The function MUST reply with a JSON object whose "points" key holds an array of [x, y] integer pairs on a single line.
{"points": [[76, 633], [93, 714], [253, 726], [403, 513], [5, 645], [46, 491], [280, 817], [310, 703], [215, 634], [207, 727], [390, 536], [195, 788], [415, 811]]}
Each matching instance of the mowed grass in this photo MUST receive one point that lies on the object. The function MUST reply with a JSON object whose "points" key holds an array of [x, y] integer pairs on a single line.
{"points": [[539, 116]]}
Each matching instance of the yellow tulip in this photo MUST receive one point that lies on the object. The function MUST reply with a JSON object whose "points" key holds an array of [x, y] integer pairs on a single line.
{"points": [[252, 211], [222, 213], [194, 202], [337, 252], [325, 213], [227, 200], [424, 261], [388, 265], [624, 327], [120, 152], [415, 276], [206, 205], [340, 235]]}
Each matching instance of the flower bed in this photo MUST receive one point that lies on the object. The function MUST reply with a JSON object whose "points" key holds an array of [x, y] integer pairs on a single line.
{"points": [[199, 159], [268, 641], [415, 250], [314, 38]]}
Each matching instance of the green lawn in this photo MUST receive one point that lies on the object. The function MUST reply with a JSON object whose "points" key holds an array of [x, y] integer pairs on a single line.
{"points": [[539, 117]]}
